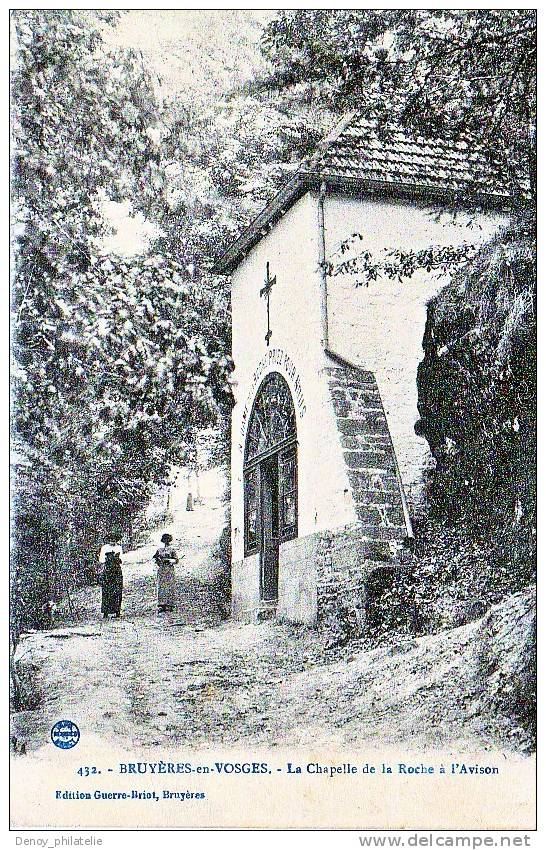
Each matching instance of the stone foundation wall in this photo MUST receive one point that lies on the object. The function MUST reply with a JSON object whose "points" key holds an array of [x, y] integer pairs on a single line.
{"points": [[323, 578], [346, 561]]}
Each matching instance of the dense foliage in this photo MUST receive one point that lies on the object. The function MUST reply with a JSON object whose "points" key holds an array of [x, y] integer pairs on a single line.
{"points": [[460, 74], [475, 541], [224, 160], [117, 362], [438, 70], [477, 394]]}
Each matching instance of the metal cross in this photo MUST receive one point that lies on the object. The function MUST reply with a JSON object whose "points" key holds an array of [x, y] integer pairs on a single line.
{"points": [[266, 290]]}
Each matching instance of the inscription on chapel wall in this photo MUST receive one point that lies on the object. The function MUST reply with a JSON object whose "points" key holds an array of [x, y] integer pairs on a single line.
{"points": [[274, 357]]}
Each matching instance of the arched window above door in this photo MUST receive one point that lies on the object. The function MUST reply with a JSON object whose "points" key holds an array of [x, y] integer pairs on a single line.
{"points": [[270, 476], [273, 418]]}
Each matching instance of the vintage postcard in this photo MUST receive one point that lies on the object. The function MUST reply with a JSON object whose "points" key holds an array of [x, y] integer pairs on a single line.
{"points": [[274, 419]]}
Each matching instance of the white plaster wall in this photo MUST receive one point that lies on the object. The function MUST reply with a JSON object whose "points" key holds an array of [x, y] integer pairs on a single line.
{"points": [[291, 248], [298, 581], [380, 327], [245, 587]]}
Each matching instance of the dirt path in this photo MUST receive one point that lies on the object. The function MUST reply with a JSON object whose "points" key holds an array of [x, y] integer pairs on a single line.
{"points": [[191, 679], [184, 677], [148, 678]]}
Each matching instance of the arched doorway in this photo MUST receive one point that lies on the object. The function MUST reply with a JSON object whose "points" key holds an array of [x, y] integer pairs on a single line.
{"points": [[270, 479]]}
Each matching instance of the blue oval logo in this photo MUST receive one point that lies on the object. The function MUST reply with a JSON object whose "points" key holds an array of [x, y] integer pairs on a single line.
{"points": [[65, 734]]}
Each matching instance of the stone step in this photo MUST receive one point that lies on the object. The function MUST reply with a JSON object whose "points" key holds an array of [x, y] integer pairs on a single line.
{"points": [[266, 611], [349, 387], [368, 422], [363, 480], [350, 409], [366, 442], [358, 459], [346, 374]]}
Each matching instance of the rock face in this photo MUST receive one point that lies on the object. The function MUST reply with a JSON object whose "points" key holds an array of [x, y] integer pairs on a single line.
{"points": [[506, 652], [477, 399]]}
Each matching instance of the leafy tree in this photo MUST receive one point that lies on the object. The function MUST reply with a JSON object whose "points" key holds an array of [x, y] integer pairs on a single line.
{"points": [[454, 71], [223, 162], [115, 361], [439, 72]]}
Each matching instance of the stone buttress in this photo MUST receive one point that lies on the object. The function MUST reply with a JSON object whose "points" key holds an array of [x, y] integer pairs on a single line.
{"points": [[349, 559]]}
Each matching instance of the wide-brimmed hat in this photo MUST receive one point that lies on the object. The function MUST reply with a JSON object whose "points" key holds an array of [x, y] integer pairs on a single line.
{"points": [[166, 538]]}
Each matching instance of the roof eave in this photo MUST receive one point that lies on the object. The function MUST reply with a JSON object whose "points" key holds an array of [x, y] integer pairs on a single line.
{"points": [[366, 187], [305, 181], [260, 226]]}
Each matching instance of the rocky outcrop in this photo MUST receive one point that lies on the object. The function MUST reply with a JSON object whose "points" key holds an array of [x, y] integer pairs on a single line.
{"points": [[477, 398], [506, 655]]}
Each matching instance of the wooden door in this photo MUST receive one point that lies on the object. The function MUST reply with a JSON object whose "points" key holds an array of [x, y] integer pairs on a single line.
{"points": [[269, 555]]}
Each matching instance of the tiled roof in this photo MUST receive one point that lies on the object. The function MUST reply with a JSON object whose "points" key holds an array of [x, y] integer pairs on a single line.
{"points": [[358, 156], [356, 149]]}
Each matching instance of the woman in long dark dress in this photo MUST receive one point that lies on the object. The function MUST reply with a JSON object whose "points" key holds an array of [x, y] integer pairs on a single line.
{"points": [[112, 585]]}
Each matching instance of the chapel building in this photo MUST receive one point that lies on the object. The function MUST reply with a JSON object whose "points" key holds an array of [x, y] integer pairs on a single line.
{"points": [[326, 465]]}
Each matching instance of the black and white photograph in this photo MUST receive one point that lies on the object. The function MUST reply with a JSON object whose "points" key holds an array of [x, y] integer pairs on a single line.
{"points": [[273, 419]]}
